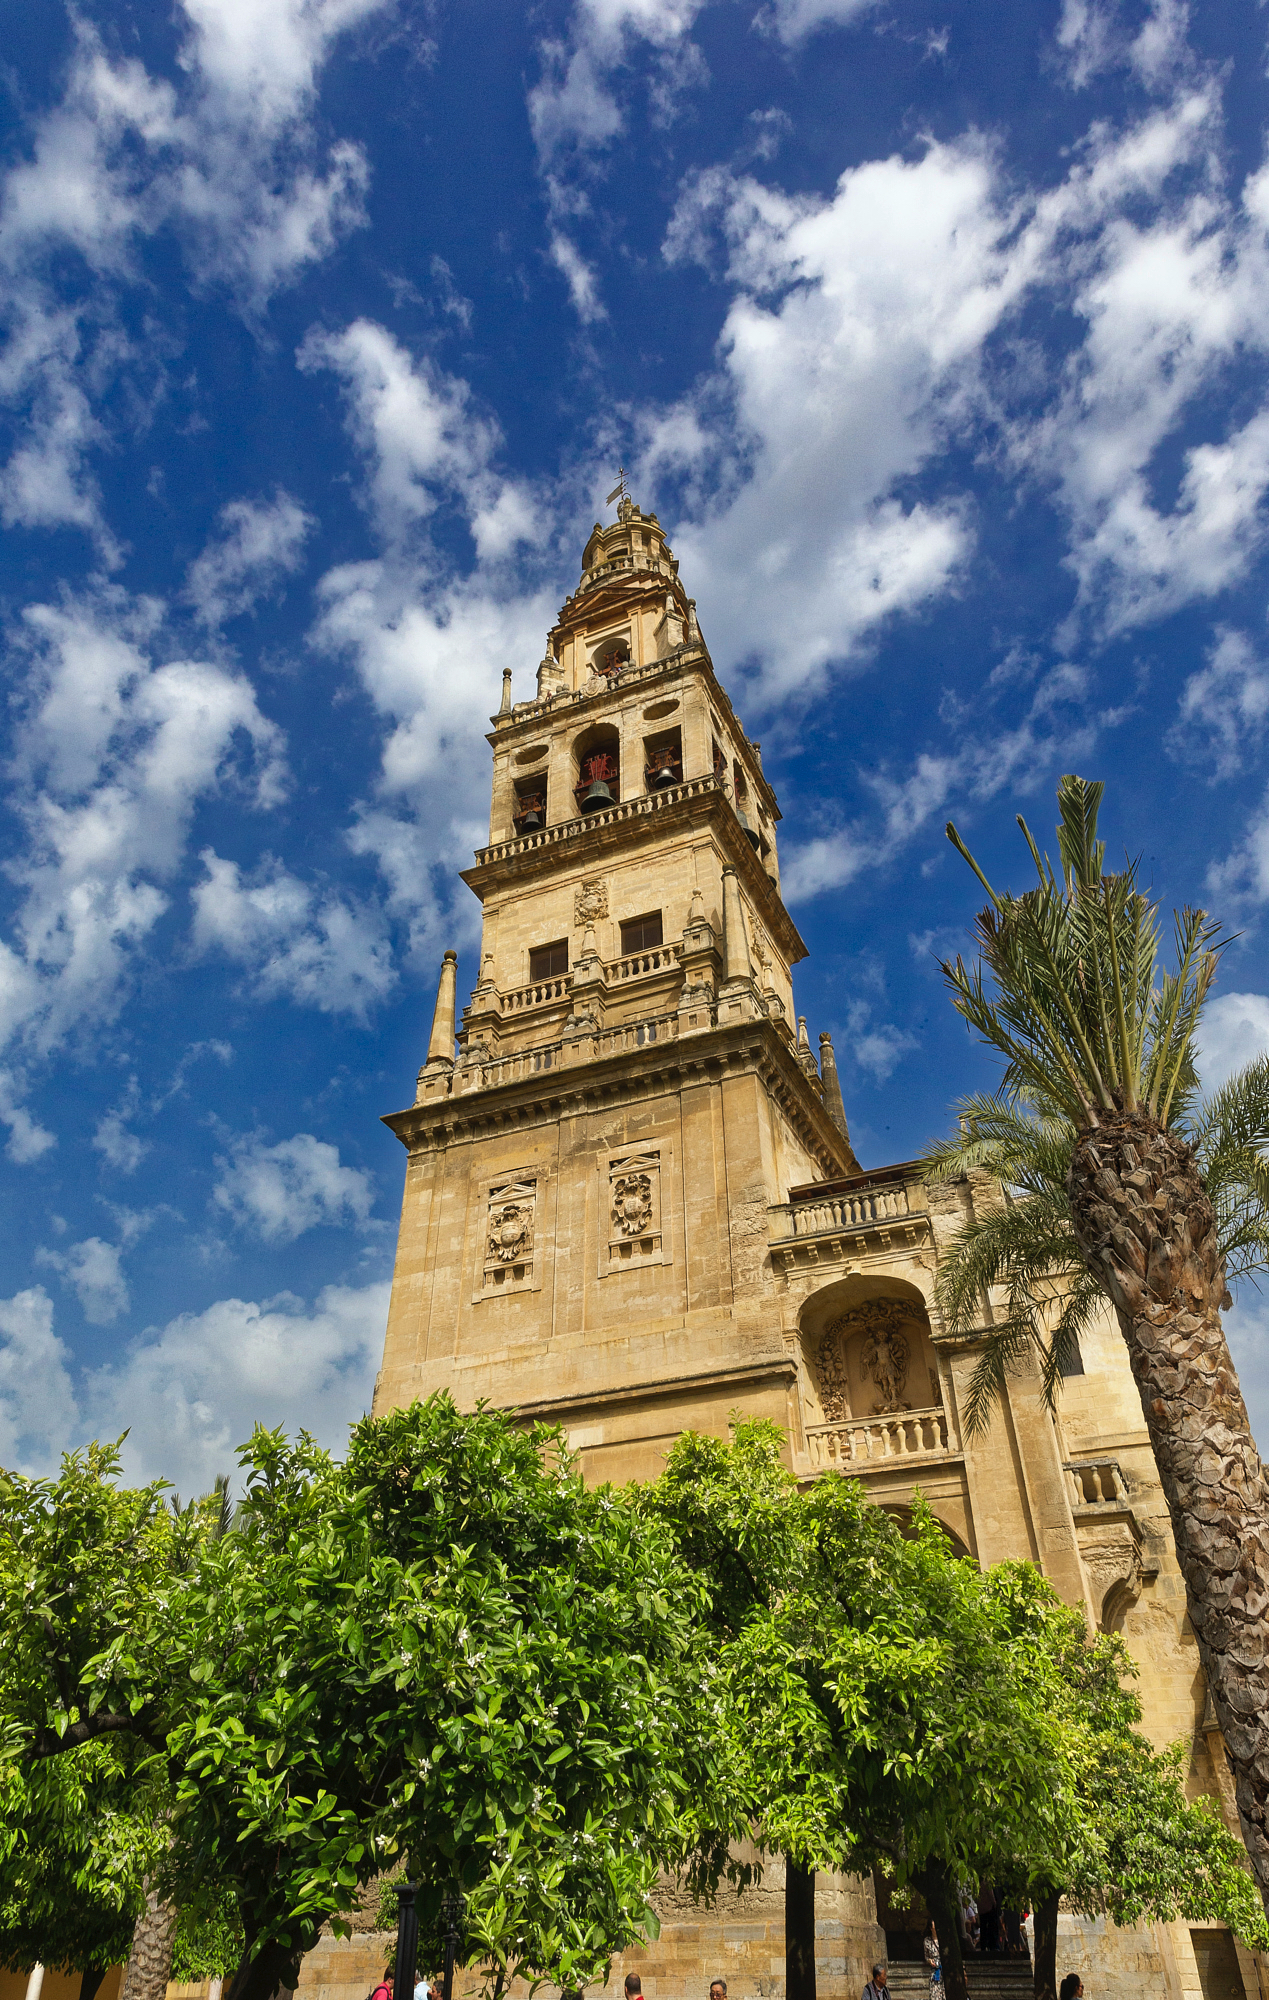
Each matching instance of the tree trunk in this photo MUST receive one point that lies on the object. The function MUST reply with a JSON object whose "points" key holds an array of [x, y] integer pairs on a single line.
{"points": [[272, 1967], [1044, 1908], [149, 1964], [937, 1887], [1146, 1230], [799, 1931]]}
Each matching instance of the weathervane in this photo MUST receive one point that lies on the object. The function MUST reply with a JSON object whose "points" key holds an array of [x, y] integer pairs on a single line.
{"points": [[619, 490]]}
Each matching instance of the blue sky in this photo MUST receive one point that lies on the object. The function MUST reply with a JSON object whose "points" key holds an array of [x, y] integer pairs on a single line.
{"points": [[936, 332]]}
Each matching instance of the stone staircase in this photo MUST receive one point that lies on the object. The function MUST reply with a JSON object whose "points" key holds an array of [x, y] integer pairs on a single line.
{"points": [[988, 1978]]}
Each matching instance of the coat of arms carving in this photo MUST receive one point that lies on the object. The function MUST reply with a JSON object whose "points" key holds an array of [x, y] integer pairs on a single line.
{"points": [[511, 1232], [632, 1203], [590, 902]]}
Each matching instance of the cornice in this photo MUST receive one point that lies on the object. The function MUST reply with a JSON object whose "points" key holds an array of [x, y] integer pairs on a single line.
{"points": [[775, 1368], [633, 1075]]}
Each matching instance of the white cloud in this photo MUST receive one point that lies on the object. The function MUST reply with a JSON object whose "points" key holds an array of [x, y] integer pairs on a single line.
{"points": [[1247, 1330], [1057, 725], [119, 1147], [1233, 1031], [94, 1271], [576, 110], [857, 323], [260, 542], [28, 1141], [793, 20], [226, 157], [278, 1192], [36, 1392], [1223, 708], [876, 1046], [113, 753], [1243, 876], [190, 1392], [327, 952], [427, 643]]}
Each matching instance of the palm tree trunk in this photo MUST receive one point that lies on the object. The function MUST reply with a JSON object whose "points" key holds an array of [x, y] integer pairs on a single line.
{"points": [[149, 1964], [939, 1891], [799, 1930], [1045, 1910], [1146, 1230]]}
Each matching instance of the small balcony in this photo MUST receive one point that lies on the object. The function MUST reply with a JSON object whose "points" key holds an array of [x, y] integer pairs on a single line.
{"points": [[869, 1444]]}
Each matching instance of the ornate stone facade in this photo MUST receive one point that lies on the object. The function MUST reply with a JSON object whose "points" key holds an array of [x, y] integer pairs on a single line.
{"points": [[631, 1208]]}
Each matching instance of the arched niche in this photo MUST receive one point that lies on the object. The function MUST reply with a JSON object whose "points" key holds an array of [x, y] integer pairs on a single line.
{"points": [[902, 1518], [868, 1351], [597, 754]]}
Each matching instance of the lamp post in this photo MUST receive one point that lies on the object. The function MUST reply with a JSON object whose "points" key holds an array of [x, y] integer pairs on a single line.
{"points": [[452, 1912], [407, 1941]]}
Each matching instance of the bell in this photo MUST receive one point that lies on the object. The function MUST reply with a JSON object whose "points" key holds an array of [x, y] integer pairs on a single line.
{"points": [[665, 776], [751, 833], [597, 797], [529, 820]]}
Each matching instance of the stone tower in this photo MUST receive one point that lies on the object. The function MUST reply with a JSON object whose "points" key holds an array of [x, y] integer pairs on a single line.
{"points": [[584, 1230], [631, 1208]]}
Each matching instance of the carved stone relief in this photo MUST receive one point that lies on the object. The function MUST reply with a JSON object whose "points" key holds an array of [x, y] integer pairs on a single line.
{"points": [[885, 1357], [509, 1232], [590, 902], [634, 1209]]}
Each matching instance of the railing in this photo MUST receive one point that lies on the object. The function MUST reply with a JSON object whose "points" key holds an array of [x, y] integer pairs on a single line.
{"points": [[664, 958], [540, 994], [1096, 1482], [511, 1069], [637, 1034], [862, 1208], [880, 1440], [569, 829]]}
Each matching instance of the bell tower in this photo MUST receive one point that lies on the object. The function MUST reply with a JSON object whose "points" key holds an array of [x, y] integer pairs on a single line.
{"points": [[594, 1147]]}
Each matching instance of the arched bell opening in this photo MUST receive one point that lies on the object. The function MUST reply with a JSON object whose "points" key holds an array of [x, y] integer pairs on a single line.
{"points": [[905, 1522], [663, 760], [745, 811], [530, 803], [869, 1354], [598, 754]]}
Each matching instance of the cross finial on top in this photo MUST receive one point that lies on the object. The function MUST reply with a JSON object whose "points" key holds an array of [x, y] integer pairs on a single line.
{"points": [[619, 490]]}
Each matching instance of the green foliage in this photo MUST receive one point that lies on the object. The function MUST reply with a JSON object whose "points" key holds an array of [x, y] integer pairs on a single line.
{"points": [[209, 1939], [1085, 1020], [89, 1578], [74, 1852], [1026, 1243], [1128, 1844], [446, 1650], [880, 1702]]}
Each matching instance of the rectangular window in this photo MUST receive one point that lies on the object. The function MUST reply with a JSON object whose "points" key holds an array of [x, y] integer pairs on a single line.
{"points": [[549, 961], [641, 933]]}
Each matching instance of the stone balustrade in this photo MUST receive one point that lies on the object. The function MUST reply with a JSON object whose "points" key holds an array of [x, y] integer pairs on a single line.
{"points": [[513, 1068], [572, 829], [637, 1034], [858, 1208], [875, 1441], [542, 993], [665, 958], [1096, 1482]]}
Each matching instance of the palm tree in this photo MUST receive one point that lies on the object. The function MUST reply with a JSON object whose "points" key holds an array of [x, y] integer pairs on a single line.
{"points": [[1026, 1244], [1094, 1114]]}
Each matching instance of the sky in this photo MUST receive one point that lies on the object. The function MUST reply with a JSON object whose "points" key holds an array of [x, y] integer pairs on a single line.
{"points": [[935, 331]]}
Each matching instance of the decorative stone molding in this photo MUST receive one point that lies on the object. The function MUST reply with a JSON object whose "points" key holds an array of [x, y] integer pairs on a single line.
{"points": [[634, 1210], [511, 1221], [590, 902], [884, 1358]]}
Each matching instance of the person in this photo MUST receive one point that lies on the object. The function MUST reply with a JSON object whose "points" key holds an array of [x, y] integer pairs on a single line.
{"points": [[877, 1989], [634, 1986], [422, 1988], [383, 1991], [1072, 1987], [718, 1989], [930, 1946]]}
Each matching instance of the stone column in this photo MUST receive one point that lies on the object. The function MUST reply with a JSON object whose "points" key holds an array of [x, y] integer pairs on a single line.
{"points": [[832, 1084], [437, 1071], [738, 997]]}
